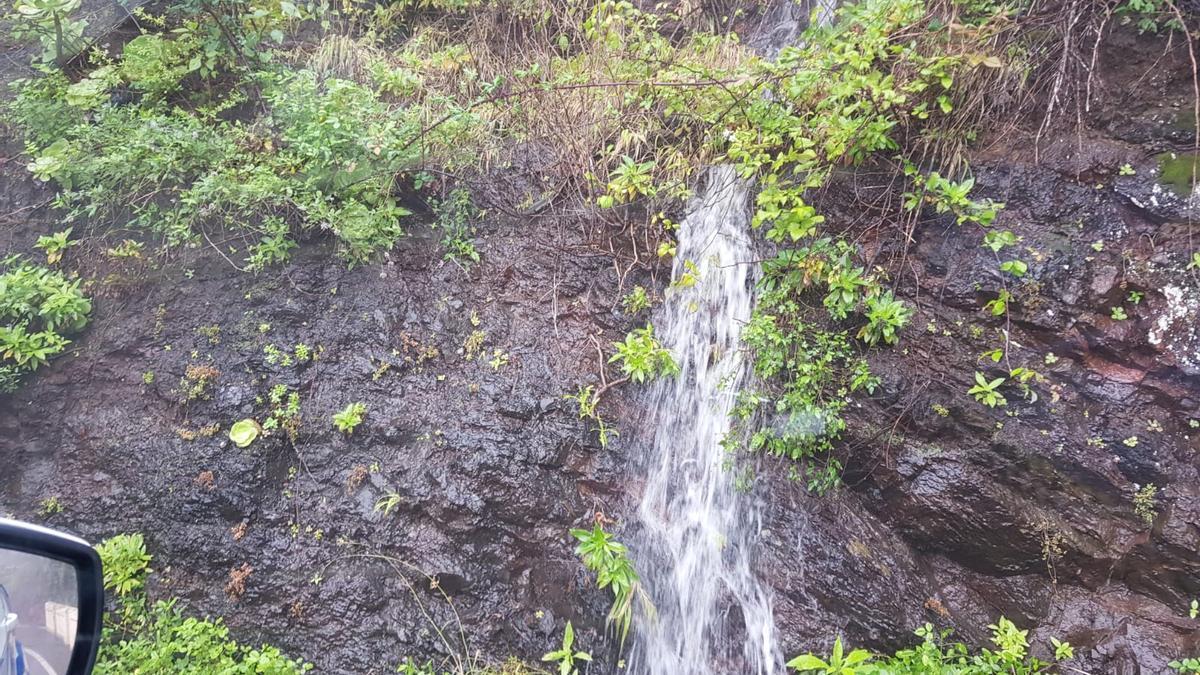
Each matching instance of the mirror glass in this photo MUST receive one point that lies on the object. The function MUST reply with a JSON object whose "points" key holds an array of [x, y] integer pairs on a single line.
{"points": [[39, 612]]}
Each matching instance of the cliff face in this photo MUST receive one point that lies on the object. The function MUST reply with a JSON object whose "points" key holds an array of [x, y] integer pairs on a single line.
{"points": [[485, 465], [954, 512]]}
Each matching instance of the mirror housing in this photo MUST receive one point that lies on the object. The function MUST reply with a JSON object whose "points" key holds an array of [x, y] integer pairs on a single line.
{"points": [[31, 557]]}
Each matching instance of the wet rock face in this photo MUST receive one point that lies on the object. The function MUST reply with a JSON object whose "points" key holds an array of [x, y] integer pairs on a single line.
{"points": [[471, 472], [1031, 510], [466, 436]]}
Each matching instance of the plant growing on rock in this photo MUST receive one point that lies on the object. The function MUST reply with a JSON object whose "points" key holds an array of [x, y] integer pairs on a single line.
{"points": [[50, 506], [609, 560], [999, 305], [587, 399], [946, 195], [348, 418], [285, 412], [812, 368], [388, 502], [197, 382], [987, 391], [454, 216], [566, 656], [1188, 665], [935, 655], [38, 308], [630, 180], [139, 637], [55, 245], [998, 239], [839, 662], [244, 432], [1145, 503], [642, 358], [636, 300], [885, 317], [1017, 268]]}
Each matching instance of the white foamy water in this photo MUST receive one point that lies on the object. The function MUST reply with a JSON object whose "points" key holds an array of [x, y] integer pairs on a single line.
{"points": [[695, 532]]}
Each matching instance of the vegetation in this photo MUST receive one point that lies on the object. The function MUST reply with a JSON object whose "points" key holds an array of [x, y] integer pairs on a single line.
{"points": [[609, 560], [642, 358], [587, 399], [284, 413], [39, 308], [145, 637], [244, 432], [55, 245], [636, 301], [255, 127], [566, 656], [1145, 503], [328, 156], [934, 655], [348, 418], [455, 215], [986, 391]]}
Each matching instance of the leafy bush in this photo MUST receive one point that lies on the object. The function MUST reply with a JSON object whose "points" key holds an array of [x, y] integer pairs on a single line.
{"points": [[636, 300], [38, 308], [348, 418], [1150, 16], [50, 23], [935, 656], [143, 638], [326, 153], [808, 371], [641, 356], [55, 245], [155, 65], [454, 218], [332, 164], [126, 563], [885, 317], [609, 560], [987, 391]]}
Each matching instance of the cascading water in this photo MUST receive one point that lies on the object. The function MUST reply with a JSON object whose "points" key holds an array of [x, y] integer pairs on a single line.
{"points": [[695, 531]]}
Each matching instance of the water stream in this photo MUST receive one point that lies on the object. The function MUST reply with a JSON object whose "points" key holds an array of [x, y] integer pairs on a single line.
{"points": [[695, 532]]}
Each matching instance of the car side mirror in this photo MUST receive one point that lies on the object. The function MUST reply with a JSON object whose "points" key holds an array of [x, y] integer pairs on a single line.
{"points": [[51, 602]]}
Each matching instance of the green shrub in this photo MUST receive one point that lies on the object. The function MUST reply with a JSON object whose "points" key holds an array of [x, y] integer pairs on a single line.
{"points": [[348, 418], [55, 245], [38, 308], [636, 300], [325, 154], [807, 371], [51, 24], [454, 216], [158, 638], [885, 317], [641, 356], [609, 560], [1149, 16], [935, 656], [155, 65]]}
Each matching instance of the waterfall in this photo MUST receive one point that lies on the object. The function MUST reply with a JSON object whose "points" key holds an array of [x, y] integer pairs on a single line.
{"points": [[695, 532]]}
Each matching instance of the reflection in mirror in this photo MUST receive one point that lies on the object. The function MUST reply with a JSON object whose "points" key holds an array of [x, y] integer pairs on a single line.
{"points": [[39, 612]]}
